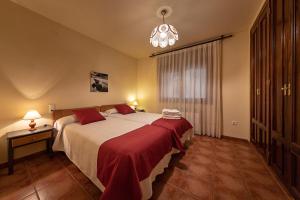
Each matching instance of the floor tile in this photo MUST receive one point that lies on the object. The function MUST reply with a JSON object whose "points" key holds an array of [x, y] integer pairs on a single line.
{"points": [[52, 179], [169, 192], [229, 186], [63, 188], [266, 193], [198, 186], [16, 186], [32, 196], [210, 169], [43, 167]]}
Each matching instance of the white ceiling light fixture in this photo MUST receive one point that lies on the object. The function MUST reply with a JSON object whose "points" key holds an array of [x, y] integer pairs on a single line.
{"points": [[164, 34]]}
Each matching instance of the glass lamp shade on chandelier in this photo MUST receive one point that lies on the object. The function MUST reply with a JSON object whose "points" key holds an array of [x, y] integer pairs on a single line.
{"points": [[164, 34]]}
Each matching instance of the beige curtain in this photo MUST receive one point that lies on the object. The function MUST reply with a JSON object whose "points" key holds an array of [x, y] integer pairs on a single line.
{"points": [[190, 81]]}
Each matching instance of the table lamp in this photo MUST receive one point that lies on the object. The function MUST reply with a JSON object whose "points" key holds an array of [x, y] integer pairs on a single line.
{"points": [[135, 104], [32, 115]]}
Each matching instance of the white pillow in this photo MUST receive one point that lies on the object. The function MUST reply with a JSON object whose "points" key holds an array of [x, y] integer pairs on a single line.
{"points": [[62, 122], [111, 111]]}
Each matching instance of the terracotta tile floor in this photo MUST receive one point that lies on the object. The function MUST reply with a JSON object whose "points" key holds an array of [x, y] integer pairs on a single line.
{"points": [[210, 169]]}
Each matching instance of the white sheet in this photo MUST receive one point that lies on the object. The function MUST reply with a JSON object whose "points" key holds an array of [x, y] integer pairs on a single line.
{"points": [[81, 144], [147, 118], [142, 117]]}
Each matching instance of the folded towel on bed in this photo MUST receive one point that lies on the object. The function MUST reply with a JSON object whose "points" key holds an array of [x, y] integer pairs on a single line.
{"points": [[170, 117], [165, 110], [171, 114]]}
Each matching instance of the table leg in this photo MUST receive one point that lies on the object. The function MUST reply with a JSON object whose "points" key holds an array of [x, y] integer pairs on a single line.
{"points": [[10, 158], [49, 146]]}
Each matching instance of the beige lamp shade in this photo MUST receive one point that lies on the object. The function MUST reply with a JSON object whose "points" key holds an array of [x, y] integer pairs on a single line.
{"points": [[135, 103], [31, 115]]}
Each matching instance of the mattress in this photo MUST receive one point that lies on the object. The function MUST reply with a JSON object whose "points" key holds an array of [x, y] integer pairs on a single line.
{"points": [[81, 144]]}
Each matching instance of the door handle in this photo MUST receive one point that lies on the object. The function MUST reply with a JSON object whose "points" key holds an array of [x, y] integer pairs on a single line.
{"points": [[284, 89], [258, 92], [289, 89]]}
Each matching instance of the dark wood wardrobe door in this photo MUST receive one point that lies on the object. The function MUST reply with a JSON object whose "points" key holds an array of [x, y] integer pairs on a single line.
{"points": [[295, 139], [260, 81], [277, 82], [281, 101], [277, 114]]}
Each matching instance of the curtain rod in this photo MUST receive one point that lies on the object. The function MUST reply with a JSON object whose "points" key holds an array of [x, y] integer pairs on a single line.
{"points": [[222, 37]]}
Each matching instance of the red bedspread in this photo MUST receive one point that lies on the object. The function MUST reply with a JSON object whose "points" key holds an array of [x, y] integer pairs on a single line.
{"points": [[126, 160], [179, 126]]}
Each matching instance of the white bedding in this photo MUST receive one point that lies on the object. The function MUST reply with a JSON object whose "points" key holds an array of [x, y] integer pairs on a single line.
{"points": [[81, 144], [142, 117], [147, 118]]}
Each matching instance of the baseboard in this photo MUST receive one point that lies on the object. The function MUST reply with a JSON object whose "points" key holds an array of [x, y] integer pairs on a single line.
{"points": [[18, 160], [234, 138]]}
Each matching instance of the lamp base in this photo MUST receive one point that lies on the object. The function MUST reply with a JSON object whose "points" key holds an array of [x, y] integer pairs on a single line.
{"points": [[32, 125]]}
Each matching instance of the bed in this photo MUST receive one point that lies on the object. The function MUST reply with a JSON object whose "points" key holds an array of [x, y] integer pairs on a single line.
{"points": [[144, 118], [81, 144]]}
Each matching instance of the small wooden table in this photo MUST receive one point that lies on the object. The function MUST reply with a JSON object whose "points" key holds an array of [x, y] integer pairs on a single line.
{"points": [[25, 137], [140, 110]]}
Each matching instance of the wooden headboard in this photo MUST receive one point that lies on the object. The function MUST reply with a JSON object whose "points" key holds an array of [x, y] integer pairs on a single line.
{"points": [[104, 108], [56, 114]]}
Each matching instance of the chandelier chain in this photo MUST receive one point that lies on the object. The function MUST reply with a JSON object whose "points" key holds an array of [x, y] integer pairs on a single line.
{"points": [[164, 12]]}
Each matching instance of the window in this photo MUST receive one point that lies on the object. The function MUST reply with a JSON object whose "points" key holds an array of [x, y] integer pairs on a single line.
{"points": [[195, 83], [190, 85]]}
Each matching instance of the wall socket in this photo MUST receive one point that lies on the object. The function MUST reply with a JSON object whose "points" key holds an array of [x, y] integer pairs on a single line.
{"points": [[235, 123]]}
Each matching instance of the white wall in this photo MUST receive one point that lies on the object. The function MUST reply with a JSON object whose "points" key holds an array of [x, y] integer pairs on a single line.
{"points": [[236, 85], [42, 62], [147, 84]]}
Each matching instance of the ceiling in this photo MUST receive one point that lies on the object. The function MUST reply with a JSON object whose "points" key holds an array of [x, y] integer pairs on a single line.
{"points": [[125, 25]]}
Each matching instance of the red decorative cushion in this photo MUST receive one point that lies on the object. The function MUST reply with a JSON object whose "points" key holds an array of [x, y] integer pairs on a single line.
{"points": [[124, 109], [88, 115]]}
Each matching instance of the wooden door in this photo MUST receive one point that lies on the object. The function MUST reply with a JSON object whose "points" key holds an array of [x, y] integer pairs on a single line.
{"points": [[281, 98], [260, 81], [295, 139]]}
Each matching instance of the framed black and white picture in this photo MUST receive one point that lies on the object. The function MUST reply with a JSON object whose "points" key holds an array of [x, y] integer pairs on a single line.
{"points": [[98, 82]]}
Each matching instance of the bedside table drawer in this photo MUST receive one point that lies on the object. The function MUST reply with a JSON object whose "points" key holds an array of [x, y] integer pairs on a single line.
{"points": [[31, 138]]}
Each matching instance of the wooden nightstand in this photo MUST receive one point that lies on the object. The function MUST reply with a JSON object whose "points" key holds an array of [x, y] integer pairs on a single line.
{"points": [[140, 110], [25, 137]]}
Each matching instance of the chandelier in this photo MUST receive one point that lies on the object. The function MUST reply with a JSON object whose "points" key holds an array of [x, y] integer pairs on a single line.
{"points": [[164, 34]]}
